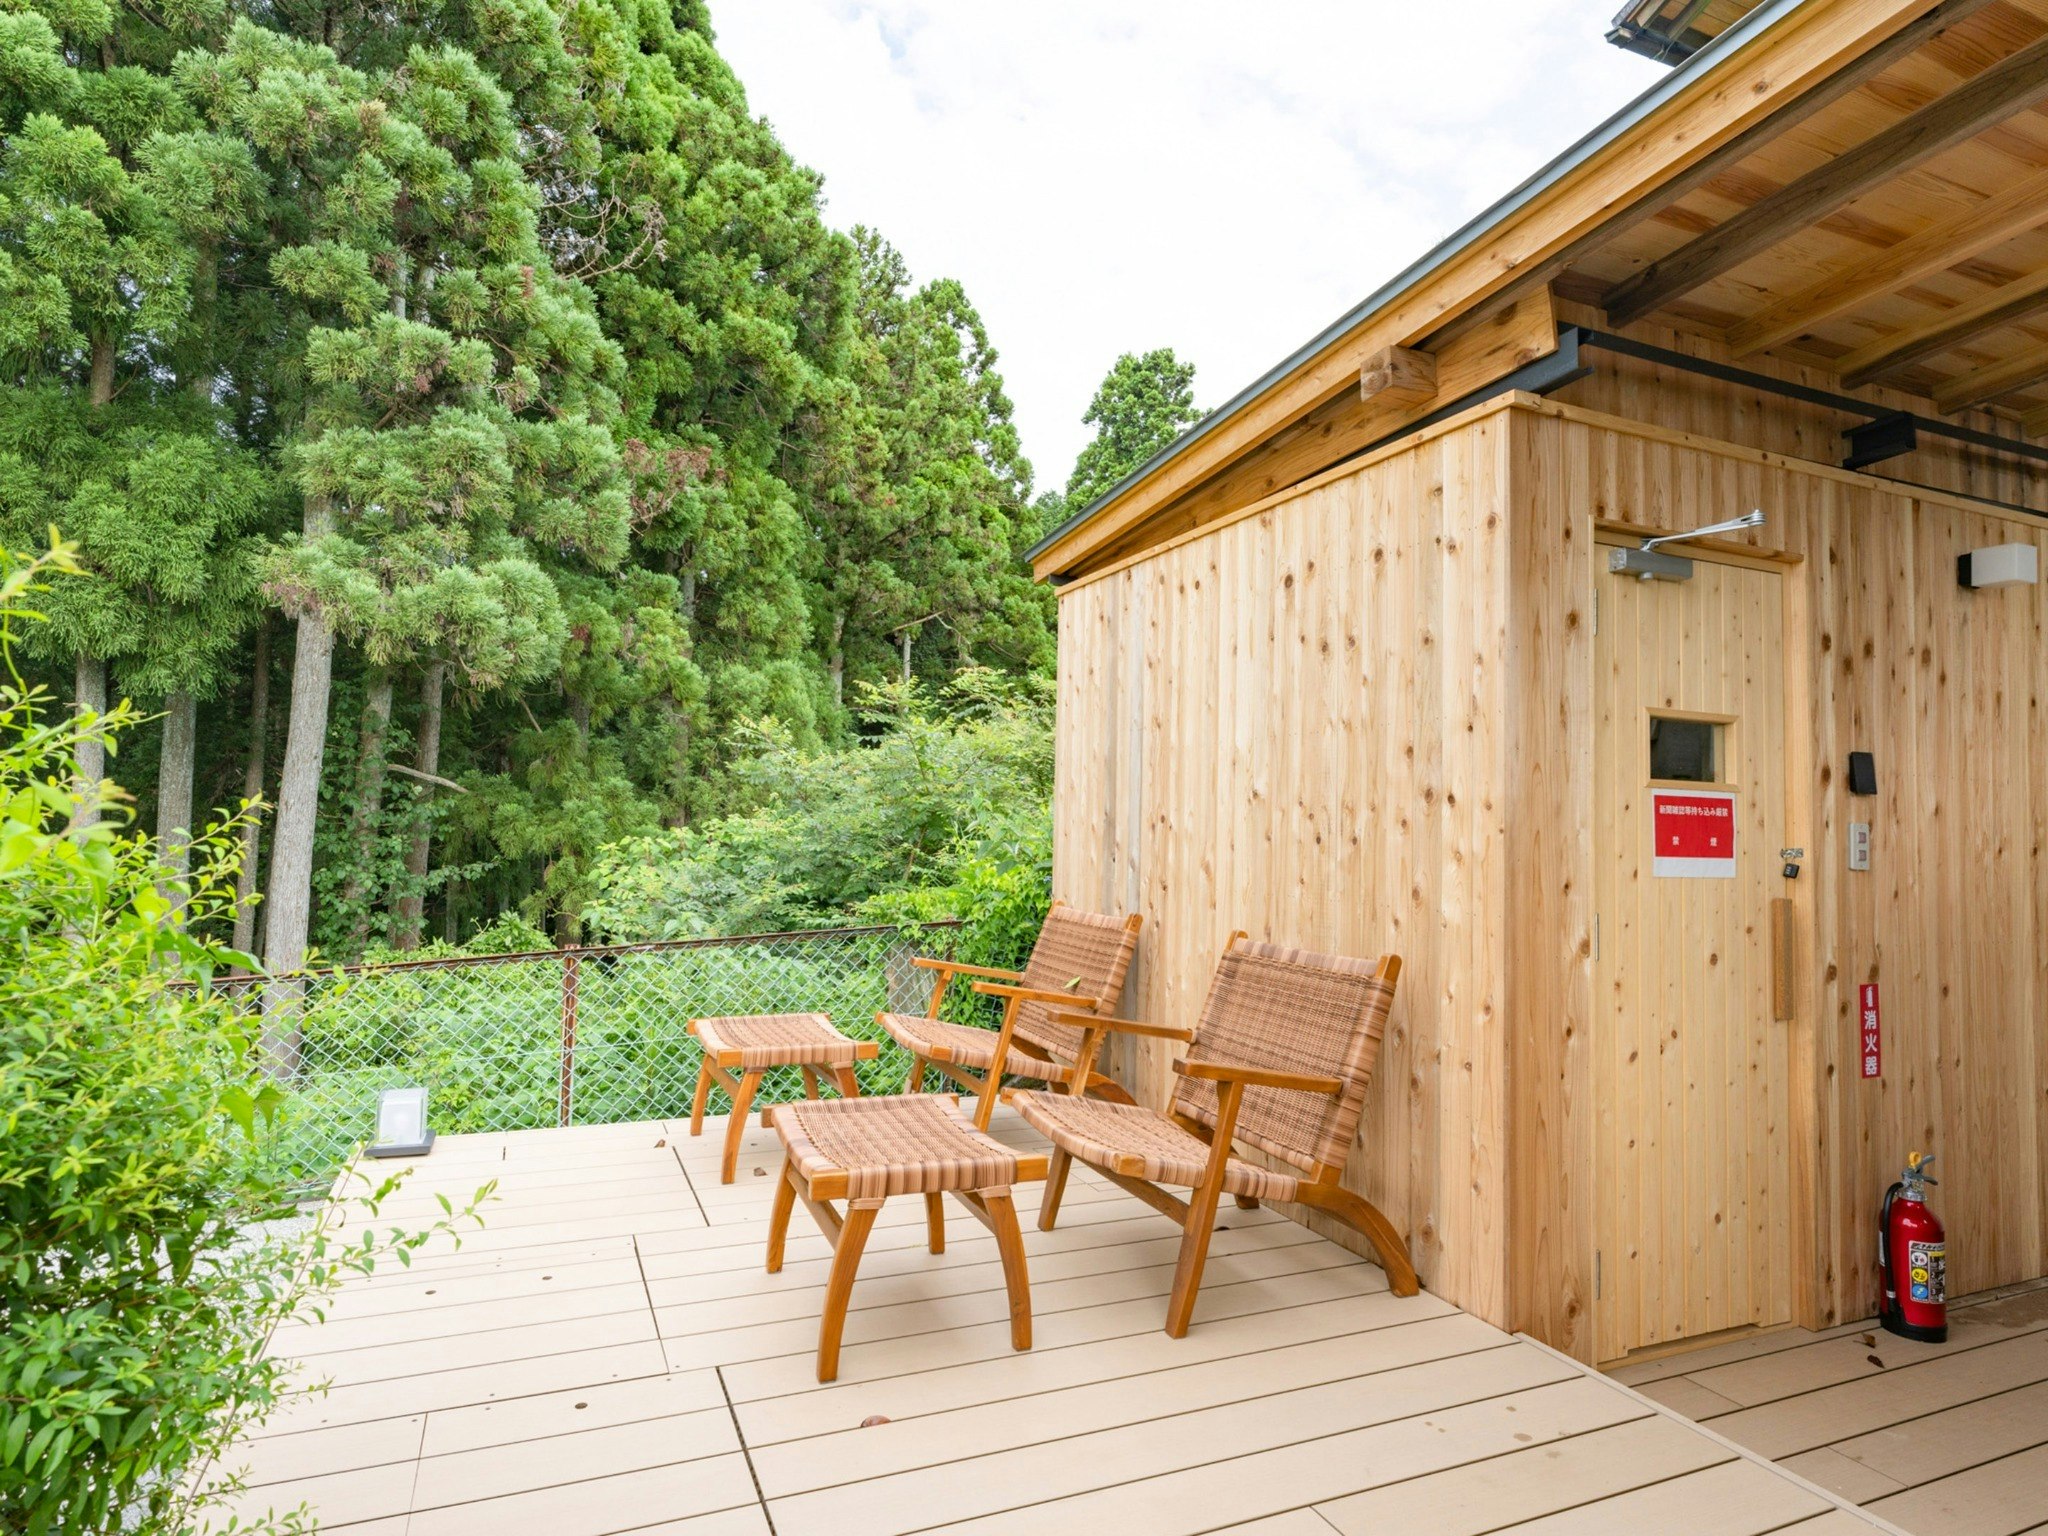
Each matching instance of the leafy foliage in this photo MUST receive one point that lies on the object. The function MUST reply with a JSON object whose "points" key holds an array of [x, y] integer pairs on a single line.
{"points": [[137, 1278], [1145, 402], [942, 812]]}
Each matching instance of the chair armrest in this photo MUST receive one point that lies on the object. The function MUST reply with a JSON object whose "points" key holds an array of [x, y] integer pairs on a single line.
{"points": [[1123, 1026], [1256, 1077], [955, 968], [1031, 994]]}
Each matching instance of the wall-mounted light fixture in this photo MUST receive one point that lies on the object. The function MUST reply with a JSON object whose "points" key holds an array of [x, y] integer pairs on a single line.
{"points": [[2002, 565], [401, 1124]]}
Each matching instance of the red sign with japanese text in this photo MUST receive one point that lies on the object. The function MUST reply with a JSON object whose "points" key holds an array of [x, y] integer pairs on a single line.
{"points": [[1694, 834], [1872, 1052]]}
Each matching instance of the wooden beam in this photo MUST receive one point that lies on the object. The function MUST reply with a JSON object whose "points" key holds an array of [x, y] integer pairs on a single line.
{"points": [[2035, 421], [1982, 384], [1398, 375], [1518, 333], [1981, 102], [2000, 306], [1802, 54], [2018, 208]]}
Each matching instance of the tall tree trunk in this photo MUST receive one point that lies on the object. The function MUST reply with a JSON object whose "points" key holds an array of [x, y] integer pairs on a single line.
{"points": [[101, 391], [369, 804], [252, 789], [836, 662], [174, 783], [289, 911], [405, 929], [90, 694]]}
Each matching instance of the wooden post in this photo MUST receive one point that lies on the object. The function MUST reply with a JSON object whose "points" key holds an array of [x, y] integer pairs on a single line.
{"points": [[570, 967]]}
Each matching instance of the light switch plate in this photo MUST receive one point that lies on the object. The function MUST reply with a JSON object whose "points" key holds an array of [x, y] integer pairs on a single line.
{"points": [[1859, 845]]}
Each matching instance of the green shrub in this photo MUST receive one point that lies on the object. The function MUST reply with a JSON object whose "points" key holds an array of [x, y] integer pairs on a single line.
{"points": [[139, 1276]]}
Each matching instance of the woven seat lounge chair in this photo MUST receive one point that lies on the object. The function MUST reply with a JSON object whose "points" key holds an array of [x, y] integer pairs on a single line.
{"points": [[1078, 963], [1279, 1061]]}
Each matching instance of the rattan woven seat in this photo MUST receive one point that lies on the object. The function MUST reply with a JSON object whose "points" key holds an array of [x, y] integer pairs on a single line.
{"points": [[754, 1043], [1143, 1144], [866, 1150], [1079, 962], [1279, 1061]]}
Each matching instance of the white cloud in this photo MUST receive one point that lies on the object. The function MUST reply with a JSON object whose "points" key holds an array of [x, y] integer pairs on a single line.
{"points": [[1113, 175]]}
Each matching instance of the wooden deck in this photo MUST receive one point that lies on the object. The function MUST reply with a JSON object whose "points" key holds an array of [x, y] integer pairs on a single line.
{"points": [[1947, 1439], [608, 1356]]}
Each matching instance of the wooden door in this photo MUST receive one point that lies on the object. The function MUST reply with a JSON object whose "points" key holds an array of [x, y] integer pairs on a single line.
{"points": [[1692, 1072]]}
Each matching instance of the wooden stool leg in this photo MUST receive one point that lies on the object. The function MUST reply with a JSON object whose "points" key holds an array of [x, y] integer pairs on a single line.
{"points": [[703, 1096], [935, 1220], [849, 1082], [778, 1217], [1010, 1243], [736, 1125], [810, 1083], [853, 1236], [915, 1082], [1246, 1202], [1055, 1189]]}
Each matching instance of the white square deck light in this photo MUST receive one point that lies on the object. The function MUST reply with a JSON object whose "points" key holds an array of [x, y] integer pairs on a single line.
{"points": [[402, 1124]]}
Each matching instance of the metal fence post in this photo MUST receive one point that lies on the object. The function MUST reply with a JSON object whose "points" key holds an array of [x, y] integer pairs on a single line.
{"points": [[570, 968]]}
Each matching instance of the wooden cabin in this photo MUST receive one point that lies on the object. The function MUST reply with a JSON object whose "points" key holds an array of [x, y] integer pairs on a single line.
{"points": [[1346, 666]]}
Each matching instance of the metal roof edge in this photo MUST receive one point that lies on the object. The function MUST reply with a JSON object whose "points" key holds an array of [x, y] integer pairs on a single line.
{"points": [[1660, 94]]}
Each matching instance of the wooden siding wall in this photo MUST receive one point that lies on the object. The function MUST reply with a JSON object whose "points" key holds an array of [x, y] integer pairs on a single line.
{"points": [[1754, 418], [1293, 724], [1358, 718], [1946, 688]]}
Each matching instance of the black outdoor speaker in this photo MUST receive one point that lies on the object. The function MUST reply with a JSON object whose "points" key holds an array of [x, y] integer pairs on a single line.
{"points": [[1862, 774]]}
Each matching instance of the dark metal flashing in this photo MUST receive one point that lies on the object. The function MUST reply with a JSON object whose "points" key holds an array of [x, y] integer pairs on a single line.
{"points": [[1644, 106]]}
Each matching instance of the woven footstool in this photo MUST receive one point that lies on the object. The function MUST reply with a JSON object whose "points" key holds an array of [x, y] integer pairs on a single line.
{"points": [[751, 1044], [865, 1150]]}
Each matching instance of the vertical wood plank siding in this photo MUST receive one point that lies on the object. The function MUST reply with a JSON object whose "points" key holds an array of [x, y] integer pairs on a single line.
{"points": [[1358, 717]]}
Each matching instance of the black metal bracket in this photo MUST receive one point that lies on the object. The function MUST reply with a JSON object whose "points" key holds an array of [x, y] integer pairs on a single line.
{"points": [[1886, 437]]}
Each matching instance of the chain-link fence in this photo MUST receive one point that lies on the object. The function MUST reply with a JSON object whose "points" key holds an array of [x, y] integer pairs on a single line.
{"points": [[567, 1037]]}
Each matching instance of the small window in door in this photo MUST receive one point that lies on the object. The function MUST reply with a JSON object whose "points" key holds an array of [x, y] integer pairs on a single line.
{"points": [[1685, 751]]}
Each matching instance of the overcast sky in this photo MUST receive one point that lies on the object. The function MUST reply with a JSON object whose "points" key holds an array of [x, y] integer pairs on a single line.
{"points": [[1115, 175]]}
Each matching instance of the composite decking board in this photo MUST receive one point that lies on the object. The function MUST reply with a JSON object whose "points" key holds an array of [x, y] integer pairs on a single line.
{"points": [[2000, 1498], [939, 1279], [1024, 1379], [1848, 1357], [316, 1341], [788, 1373], [477, 1398], [1955, 1439], [1852, 1480], [1733, 1498], [1357, 1361], [1532, 1481], [1162, 1443], [1812, 1419], [943, 1311]]}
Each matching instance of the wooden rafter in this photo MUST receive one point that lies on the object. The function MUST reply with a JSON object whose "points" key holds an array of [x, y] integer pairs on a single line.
{"points": [[1988, 383], [2001, 306], [2017, 208], [1980, 102]]}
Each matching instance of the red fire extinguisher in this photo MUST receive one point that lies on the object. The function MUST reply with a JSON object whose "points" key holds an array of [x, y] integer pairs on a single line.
{"points": [[1912, 1256]]}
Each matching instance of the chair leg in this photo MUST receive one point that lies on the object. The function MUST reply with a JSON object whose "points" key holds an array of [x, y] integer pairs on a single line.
{"points": [[1055, 1189], [1363, 1216], [1246, 1202], [915, 1082], [1002, 1212], [1194, 1253], [703, 1097], [853, 1236], [810, 1083], [736, 1125], [849, 1082], [935, 1221], [778, 1217]]}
